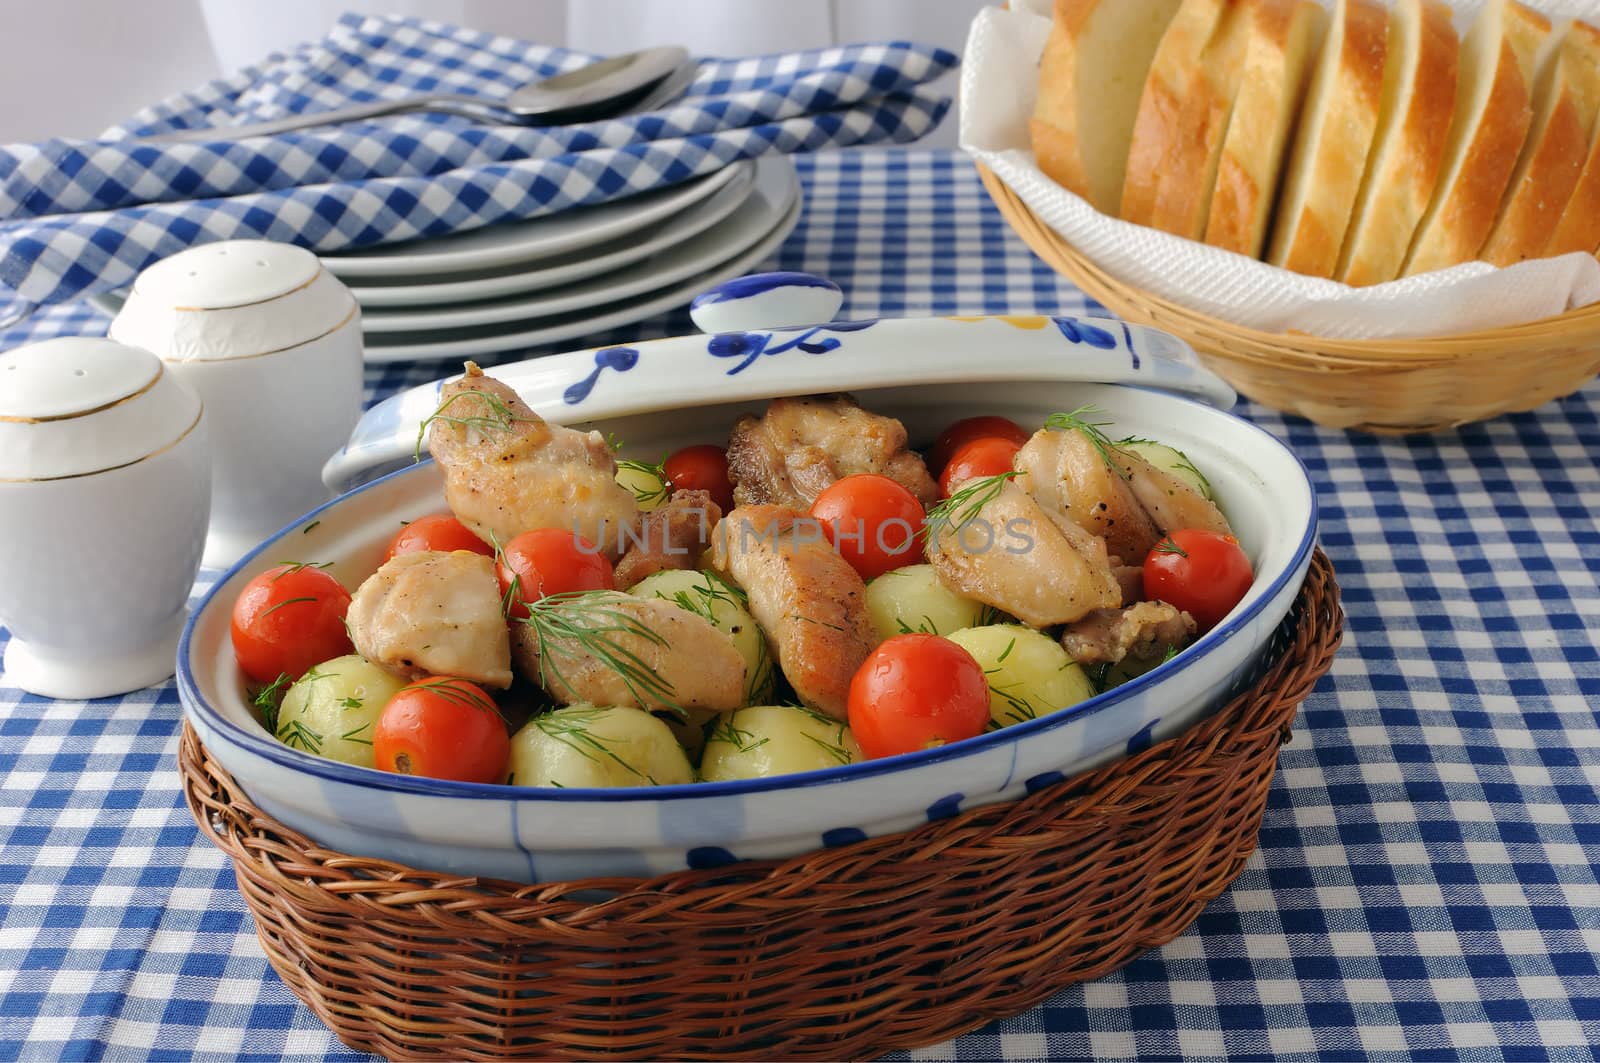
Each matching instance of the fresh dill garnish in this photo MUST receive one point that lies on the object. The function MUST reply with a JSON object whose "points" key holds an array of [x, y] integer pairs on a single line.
{"points": [[512, 596], [1169, 546], [594, 624], [742, 740], [570, 727], [291, 567], [1183, 462], [1076, 421], [963, 507], [501, 417], [286, 601], [295, 733], [269, 699], [350, 736], [1006, 652], [653, 486], [351, 702], [457, 692], [813, 620], [834, 750], [308, 527], [989, 615]]}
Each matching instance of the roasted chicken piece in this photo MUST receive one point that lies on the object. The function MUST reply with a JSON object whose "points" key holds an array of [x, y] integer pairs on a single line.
{"points": [[1145, 631], [507, 471], [670, 537], [1067, 473], [432, 613], [1171, 503], [800, 446], [612, 649], [807, 599], [1004, 549]]}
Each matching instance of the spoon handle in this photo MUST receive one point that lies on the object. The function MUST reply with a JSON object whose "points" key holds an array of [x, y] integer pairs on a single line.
{"points": [[472, 106]]}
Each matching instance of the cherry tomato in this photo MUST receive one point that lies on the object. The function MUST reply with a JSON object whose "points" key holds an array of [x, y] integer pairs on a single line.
{"points": [[701, 468], [874, 523], [549, 561], [965, 431], [436, 531], [1201, 572], [916, 692], [288, 619], [989, 456], [443, 728]]}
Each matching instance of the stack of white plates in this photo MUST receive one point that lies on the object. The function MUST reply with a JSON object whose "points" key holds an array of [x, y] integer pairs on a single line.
{"points": [[563, 276]]}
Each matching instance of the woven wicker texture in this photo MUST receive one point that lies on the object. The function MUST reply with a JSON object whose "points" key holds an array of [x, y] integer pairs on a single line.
{"points": [[887, 943], [1387, 386]]}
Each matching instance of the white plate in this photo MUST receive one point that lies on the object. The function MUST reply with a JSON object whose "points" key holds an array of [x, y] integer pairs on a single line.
{"points": [[465, 343], [776, 190], [563, 269], [539, 238]]}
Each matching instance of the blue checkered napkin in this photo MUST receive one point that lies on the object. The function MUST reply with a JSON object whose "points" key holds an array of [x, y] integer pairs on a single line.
{"points": [[87, 216]]}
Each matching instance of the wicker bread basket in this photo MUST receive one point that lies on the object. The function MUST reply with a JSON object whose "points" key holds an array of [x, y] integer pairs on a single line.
{"points": [[1389, 386], [887, 943]]}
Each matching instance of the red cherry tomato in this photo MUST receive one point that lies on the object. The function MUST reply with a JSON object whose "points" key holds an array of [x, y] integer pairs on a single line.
{"points": [[990, 456], [549, 561], [1201, 572], [288, 619], [443, 728], [701, 468], [436, 531], [916, 692], [873, 521], [965, 431]]}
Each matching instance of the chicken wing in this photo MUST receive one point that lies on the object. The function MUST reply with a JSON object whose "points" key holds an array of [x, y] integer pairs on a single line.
{"points": [[671, 537], [1066, 472], [1003, 549], [432, 613], [507, 471], [1171, 503], [608, 648], [807, 599], [791, 454]]}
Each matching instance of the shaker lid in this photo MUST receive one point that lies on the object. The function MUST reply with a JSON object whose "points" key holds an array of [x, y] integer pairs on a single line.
{"points": [[234, 299], [81, 404]]}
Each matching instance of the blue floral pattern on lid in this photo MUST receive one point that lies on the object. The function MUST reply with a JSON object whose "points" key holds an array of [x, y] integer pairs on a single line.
{"points": [[766, 301], [620, 359]]}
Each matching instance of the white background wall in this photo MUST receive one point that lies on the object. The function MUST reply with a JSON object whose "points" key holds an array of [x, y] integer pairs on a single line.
{"points": [[73, 67]]}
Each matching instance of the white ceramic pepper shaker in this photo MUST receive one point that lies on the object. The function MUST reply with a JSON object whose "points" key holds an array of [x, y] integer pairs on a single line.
{"points": [[104, 492], [271, 342]]}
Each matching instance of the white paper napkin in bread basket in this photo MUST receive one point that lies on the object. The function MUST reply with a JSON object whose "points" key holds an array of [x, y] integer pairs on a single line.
{"points": [[999, 82]]}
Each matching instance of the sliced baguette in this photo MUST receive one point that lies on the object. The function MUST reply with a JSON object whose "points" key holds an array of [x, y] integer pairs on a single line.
{"points": [[1184, 195], [1419, 95], [1158, 126], [1091, 77], [1339, 120], [1283, 39], [1579, 226], [1551, 160], [1491, 122]]}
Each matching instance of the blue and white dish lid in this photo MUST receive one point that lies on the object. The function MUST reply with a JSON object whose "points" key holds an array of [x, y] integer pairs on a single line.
{"points": [[741, 361]]}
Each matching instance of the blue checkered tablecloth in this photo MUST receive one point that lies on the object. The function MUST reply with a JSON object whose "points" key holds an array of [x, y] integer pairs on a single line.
{"points": [[1425, 886]]}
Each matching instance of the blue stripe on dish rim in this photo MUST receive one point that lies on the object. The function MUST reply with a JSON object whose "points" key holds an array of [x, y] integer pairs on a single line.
{"points": [[264, 746]]}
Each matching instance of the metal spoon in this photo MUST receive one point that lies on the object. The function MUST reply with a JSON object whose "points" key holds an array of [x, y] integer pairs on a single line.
{"points": [[592, 91]]}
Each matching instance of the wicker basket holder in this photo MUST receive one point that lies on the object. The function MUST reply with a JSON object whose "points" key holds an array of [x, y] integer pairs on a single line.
{"points": [[1387, 386], [887, 943]]}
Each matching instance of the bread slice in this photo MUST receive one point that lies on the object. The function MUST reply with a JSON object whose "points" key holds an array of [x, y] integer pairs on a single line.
{"points": [[1419, 97], [1579, 226], [1157, 128], [1184, 195], [1337, 126], [1091, 77], [1491, 122], [1552, 159], [1283, 39]]}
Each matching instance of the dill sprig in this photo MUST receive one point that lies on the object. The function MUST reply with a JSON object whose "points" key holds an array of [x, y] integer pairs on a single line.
{"points": [[270, 699], [593, 623], [1076, 421], [835, 750], [644, 493], [725, 731], [291, 567], [1169, 545], [500, 417], [571, 727], [350, 736], [457, 692], [286, 601], [294, 733], [963, 507], [512, 596], [1183, 462]]}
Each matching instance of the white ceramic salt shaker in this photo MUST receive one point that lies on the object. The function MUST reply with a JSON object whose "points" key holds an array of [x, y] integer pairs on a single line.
{"points": [[104, 491], [271, 342], [766, 301]]}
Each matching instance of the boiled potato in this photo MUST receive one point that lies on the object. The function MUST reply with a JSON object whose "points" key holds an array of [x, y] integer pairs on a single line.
{"points": [[724, 605], [912, 599], [650, 488], [1172, 461], [1029, 674], [334, 707], [585, 745], [767, 740]]}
